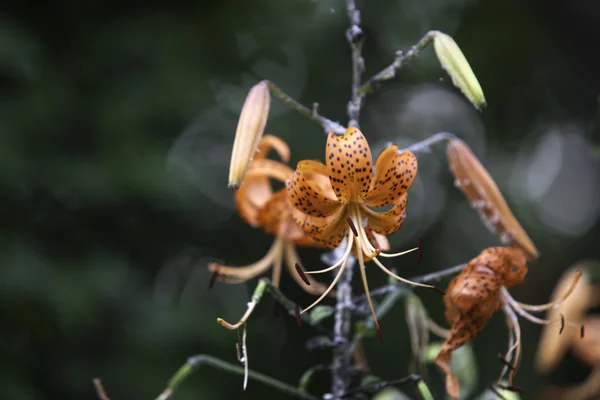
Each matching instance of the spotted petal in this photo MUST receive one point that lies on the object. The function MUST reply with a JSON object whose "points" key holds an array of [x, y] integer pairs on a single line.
{"points": [[387, 222], [308, 197], [349, 162], [394, 175], [328, 232]]}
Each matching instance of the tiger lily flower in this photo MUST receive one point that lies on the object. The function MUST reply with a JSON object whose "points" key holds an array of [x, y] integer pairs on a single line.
{"points": [[334, 202], [480, 290], [260, 207]]}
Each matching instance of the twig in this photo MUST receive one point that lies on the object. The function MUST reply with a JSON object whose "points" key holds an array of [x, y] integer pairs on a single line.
{"points": [[354, 35], [377, 386], [432, 277], [342, 357], [389, 72], [425, 145], [100, 392], [195, 362], [325, 123]]}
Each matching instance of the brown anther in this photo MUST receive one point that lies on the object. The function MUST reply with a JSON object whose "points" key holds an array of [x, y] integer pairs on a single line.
{"points": [[512, 388], [352, 226], [420, 249], [506, 362], [298, 317], [302, 275], [437, 289], [213, 279], [497, 393], [582, 331], [562, 323], [379, 333]]}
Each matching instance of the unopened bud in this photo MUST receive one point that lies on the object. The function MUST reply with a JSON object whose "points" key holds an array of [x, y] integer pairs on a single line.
{"points": [[456, 65], [250, 128], [484, 196]]}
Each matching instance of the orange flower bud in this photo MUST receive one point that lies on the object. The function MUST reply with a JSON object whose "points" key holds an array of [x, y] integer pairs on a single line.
{"points": [[485, 197]]}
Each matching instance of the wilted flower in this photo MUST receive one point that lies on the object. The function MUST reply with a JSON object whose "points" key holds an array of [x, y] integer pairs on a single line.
{"points": [[587, 349], [456, 65], [259, 206], [250, 128], [334, 202], [485, 197], [475, 294]]}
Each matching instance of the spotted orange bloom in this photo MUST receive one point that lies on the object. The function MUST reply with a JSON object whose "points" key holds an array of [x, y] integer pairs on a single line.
{"points": [[334, 202], [259, 206], [475, 294]]}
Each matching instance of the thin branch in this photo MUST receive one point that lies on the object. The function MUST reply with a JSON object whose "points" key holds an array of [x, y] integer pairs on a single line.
{"points": [[432, 277], [342, 323], [354, 35], [196, 362], [377, 386], [325, 123], [425, 145], [390, 71]]}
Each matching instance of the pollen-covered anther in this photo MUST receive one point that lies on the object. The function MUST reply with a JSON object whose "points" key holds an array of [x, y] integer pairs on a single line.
{"points": [[301, 274], [352, 226], [298, 316], [215, 275], [562, 323], [379, 332], [506, 362], [512, 388]]}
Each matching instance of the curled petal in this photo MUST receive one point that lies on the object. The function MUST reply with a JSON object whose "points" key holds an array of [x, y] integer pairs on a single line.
{"points": [[256, 190], [394, 175], [272, 216], [308, 197], [269, 142], [387, 222], [349, 163], [328, 232]]}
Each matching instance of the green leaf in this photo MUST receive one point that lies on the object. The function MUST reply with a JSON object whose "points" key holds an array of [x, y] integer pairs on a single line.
{"points": [[320, 313]]}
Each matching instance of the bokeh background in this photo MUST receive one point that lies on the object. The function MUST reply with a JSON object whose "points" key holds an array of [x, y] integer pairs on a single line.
{"points": [[116, 125]]}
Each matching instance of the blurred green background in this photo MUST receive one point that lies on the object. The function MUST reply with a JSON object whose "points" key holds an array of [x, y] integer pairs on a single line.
{"points": [[116, 125]]}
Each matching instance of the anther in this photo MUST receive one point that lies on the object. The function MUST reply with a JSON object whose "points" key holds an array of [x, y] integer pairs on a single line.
{"points": [[298, 317], [420, 249], [213, 279], [562, 323], [497, 393], [582, 331], [379, 333], [436, 289], [352, 226], [512, 388], [506, 362], [302, 275]]}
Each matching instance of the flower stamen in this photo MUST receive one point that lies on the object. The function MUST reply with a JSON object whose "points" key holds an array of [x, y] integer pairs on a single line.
{"points": [[301, 274]]}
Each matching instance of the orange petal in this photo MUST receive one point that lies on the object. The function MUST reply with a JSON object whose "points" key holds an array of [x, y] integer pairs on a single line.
{"points": [[394, 175], [328, 232], [349, 162], [269, 142], [256, 190], [387, 222], [273, 213], [308, 197]]}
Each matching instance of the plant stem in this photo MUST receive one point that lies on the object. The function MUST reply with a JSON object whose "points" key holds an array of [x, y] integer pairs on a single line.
{"points": [[354, 35], [196, 362], [327, 124], [342, 357], [425, 145], [390, 71]]}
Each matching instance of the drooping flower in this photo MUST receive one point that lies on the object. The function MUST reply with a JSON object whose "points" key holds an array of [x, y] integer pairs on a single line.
{"points": [[480, 290], [334, 202], [259, 206]]}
